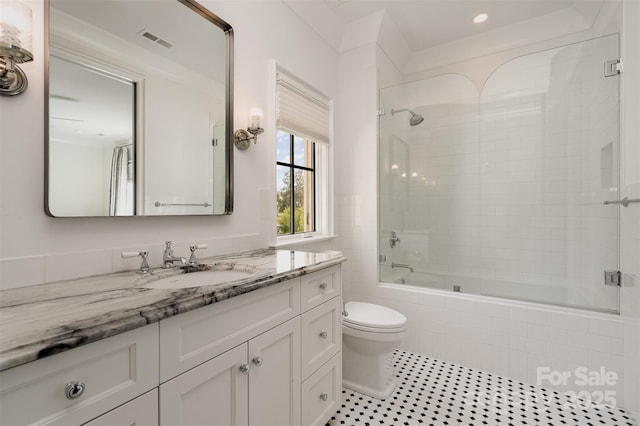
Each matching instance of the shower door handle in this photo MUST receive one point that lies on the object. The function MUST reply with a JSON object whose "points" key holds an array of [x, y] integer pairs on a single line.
{"points": [[624, 202]]}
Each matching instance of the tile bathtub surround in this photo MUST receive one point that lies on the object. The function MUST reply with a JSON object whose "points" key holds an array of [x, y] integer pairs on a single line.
{"points": [[503, 337], [25, 271], [433, 392], [42, 320]]}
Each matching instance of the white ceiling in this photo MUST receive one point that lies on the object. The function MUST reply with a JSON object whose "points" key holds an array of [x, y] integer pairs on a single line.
{"points": [[428, 23], [425, 25]]}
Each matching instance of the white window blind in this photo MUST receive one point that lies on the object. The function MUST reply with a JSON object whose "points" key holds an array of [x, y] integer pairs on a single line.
{"points": [[301, 112]]}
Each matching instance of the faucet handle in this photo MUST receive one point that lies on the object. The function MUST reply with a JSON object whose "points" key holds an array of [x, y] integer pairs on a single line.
{"points": [[193, 248], [144, 266], [168, 251]]}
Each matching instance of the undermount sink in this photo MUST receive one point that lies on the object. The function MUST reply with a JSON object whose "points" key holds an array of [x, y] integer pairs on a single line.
{"points": [[202, 275]]}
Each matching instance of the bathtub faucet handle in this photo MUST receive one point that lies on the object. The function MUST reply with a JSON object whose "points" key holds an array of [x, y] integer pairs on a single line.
{"points": [[393, 239]]}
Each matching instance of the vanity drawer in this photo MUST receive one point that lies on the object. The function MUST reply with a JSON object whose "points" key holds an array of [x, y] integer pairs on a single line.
{"points": [[114, 371], [189, 339], [321, 335], [319, 287], [142, 411], [322, 393]]}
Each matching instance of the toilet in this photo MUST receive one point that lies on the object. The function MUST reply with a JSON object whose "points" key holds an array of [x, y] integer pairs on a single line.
{"points": [[370, 334]]}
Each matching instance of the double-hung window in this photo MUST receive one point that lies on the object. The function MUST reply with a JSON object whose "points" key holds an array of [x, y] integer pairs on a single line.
{"points": [[302, 138]]}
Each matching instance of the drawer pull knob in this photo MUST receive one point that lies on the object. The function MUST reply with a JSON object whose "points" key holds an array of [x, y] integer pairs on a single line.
{"points": [[323, 334], [257, 361], [323, 285], [324, 396], [244, 368], [74, 390]]}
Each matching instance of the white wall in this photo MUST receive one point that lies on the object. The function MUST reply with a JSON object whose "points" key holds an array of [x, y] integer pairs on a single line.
{"points": [[630, 216], [35, 248], [80, 178]]}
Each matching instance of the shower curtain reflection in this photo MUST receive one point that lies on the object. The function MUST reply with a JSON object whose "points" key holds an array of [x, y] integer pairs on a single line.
{"points": [[121, 187]]}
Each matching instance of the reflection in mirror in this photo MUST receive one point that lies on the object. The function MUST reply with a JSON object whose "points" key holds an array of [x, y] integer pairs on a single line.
{"points": [[91, 137], [139, 109]]}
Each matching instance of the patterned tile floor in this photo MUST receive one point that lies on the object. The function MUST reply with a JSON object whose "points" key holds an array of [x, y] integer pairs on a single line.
{"points": [[433, 392]]}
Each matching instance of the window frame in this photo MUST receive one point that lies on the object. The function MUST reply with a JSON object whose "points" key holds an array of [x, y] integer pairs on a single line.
{"points": [[292, 168], [324, 205]]}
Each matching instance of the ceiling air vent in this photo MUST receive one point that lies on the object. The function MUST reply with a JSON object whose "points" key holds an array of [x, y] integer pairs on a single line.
{"points": [[154, 38]]}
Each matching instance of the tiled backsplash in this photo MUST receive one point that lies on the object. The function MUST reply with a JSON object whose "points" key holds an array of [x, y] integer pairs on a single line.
{"points": [[32, 270]]}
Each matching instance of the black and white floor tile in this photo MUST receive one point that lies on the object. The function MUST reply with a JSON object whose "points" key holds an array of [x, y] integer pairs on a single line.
{"points": [[433, 392]]}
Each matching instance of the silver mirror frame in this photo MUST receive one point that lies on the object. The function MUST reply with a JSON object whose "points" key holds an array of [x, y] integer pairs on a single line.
{"points": [[229, 146]]}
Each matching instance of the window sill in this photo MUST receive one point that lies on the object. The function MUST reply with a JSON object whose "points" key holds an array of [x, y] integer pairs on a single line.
{"points": [[301, 241]]}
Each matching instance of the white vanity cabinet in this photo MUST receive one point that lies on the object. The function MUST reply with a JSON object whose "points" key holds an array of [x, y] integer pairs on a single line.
{"points": [[269, 357], [75, 386], [256, 383], [286, 359]]}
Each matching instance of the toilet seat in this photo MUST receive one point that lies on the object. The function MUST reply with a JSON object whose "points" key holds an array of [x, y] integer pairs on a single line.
{"points": [[373, 318]]}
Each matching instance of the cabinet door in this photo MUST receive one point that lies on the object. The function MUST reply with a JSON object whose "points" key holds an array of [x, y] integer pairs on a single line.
{"points": [[274, 380], [142, 411], [213, 393]]}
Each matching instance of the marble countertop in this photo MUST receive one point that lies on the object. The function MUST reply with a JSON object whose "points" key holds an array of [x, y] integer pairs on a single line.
{"points": [[43, 320]]}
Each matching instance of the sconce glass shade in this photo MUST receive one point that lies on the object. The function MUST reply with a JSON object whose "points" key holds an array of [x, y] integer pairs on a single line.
{"points": [[255, 118], [15, 46], [15, 31], [243, 138]]}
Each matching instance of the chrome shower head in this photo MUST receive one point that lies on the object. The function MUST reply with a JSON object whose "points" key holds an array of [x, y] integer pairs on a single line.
{"points": [[415, 118]]}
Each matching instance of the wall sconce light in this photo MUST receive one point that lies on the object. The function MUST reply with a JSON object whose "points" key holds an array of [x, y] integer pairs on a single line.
{"points": [[15, 46], [242, 138]]}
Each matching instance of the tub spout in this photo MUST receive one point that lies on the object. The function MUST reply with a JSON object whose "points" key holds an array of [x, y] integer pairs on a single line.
{"points": [[401, 265]]}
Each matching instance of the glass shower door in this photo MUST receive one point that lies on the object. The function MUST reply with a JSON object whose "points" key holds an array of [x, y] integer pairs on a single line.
{"points": [[500, 190]]}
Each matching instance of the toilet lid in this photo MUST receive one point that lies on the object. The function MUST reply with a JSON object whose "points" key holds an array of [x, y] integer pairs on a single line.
{"points": [[373, 316]]}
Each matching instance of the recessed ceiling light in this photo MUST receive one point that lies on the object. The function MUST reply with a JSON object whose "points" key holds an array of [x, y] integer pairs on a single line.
{"points": [[480, 18]]}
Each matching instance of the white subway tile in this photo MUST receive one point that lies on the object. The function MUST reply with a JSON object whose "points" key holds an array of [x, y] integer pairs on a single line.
{"points": [[529, 315], [242, 243], [21, 271], [608, 361], [546, 333], [518, 365], [617, 346], [534, 363], [589, 341], [606, 327], [66, 266], [569, 353]]}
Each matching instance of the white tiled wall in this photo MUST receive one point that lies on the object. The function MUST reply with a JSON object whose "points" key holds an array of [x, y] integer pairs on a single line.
{"points": [[23, 271]]}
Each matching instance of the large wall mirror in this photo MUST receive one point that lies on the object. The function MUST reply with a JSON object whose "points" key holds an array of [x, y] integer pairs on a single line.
{"points": [[139, 113]]}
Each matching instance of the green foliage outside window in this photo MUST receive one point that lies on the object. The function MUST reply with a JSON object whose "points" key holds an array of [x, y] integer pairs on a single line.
{"points": [[283, 198]]}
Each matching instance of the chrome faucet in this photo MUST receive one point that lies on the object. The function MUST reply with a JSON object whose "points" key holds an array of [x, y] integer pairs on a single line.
{"points": [[401, 265], [168, 258]]}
